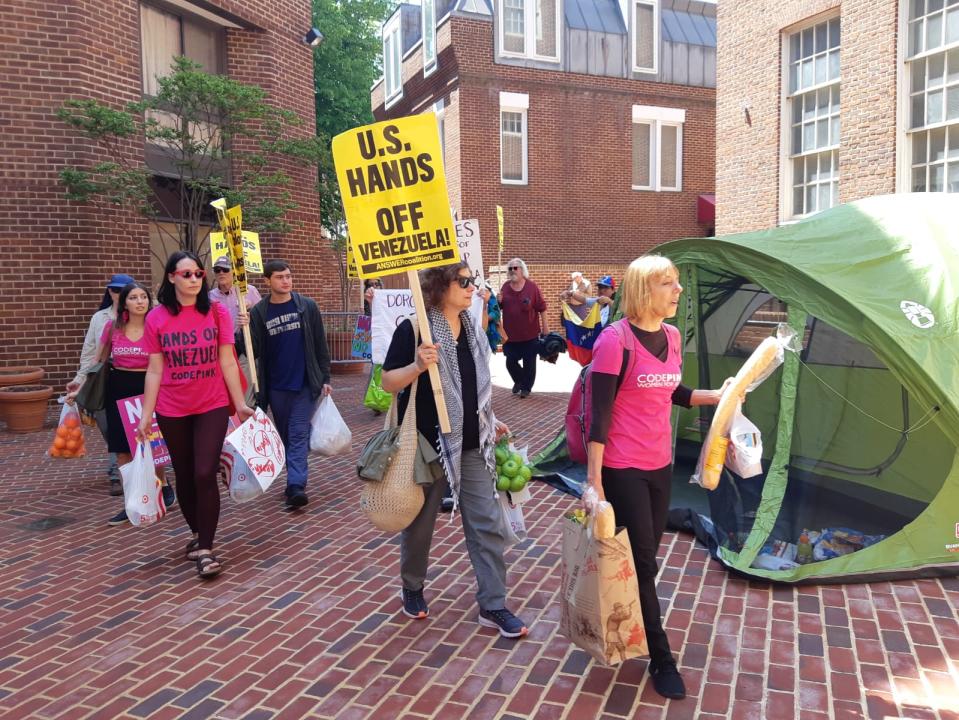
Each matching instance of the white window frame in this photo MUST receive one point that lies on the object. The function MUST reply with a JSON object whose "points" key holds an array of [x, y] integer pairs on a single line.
{"points": [[787, 184], [429, 30], [392, 61], [656, 36], [514, 103], [657, 118], [529, 32], [439, 109], [904, 134]]}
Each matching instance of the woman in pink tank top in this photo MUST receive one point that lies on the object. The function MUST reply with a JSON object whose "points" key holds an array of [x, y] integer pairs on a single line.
{"points": [[630, 438]]}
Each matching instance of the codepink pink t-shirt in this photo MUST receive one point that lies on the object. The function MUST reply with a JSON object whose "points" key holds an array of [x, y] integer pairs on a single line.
{"points": [[190, 341], [640, 434], [126, 354]]}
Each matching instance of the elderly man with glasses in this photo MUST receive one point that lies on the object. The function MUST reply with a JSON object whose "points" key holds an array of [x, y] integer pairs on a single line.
{"points": [[226, 293], [524, 318]]}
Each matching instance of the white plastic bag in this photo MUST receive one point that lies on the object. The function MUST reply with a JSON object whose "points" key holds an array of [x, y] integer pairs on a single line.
{"points": [[329, 434], [258, 444], [240, 480], [745, 453], [142, 489], [514, 524]]}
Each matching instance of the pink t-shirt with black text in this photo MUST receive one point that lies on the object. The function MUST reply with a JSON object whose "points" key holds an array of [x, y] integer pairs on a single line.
{"points": [[640, 434], [190, 341], [126, 354]]}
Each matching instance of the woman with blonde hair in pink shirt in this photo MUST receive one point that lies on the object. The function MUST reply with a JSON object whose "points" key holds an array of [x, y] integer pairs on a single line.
{"points": [[191, 380], [636, 373]]}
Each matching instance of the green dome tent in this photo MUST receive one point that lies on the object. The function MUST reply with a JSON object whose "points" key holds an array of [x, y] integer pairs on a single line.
{"points": [[861, 427]]}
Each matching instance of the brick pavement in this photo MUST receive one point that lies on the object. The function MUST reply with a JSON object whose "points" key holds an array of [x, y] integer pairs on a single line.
{"points": [[99, 622]]}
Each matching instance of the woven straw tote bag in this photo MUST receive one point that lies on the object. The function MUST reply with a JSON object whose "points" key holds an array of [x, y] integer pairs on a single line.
{"points": [[393, 503]]}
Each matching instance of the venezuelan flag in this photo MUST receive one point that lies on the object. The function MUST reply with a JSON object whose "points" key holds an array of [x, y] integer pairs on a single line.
{"points": [[582, 333]]}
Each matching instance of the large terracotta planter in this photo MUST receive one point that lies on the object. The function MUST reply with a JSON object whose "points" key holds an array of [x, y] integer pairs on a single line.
{"points": [[25, 406], [19, 375]]}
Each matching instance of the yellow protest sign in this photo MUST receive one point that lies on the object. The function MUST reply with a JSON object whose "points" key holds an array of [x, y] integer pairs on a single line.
{"points": [[350, 261], [252, 258], [394, 193], [499, 222]]}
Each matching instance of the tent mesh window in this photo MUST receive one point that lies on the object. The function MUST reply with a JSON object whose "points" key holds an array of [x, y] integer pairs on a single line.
{"points": [[863, 460]]}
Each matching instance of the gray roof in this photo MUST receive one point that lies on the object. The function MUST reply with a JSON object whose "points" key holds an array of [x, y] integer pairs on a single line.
{"points": [[599, 15], [689, 28], [472, 7]]}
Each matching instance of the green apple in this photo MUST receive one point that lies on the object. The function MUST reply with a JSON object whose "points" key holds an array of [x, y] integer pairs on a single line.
{"points": [[517, 484], [503, 483], [502, 454], [511, 468], [517, 458], [525, 472]]}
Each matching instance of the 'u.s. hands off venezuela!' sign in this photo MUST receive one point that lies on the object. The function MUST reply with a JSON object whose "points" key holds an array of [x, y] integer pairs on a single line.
{"points": [[394, 194]]}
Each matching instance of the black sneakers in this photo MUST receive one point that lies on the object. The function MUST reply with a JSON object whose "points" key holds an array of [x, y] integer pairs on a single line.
{"points": [[296, 497], [169, 496], [516, 389], [507, 623], [414, 604], [666, 680], [119, 519]]}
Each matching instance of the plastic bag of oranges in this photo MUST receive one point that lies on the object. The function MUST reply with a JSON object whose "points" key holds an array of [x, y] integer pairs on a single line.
{"points": [[68, 440]]}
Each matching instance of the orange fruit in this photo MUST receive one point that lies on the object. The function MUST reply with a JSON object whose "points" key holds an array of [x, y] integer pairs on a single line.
{"points": [[72, 421], [76, 433], [71, 444], [66, 453], [59, 443], [62, 431], [54, 451]]}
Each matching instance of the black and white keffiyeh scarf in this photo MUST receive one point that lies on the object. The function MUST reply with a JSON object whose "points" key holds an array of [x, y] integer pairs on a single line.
{"points": [[451, 443]]}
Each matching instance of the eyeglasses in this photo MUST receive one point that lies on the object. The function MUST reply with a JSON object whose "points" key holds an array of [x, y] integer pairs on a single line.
{"points": [[219, 270], [513, 267], [464, 282], [187, 274]]}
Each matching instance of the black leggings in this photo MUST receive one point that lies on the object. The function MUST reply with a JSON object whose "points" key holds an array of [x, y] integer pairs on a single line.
{"points": [[195, 443], [640, 499]]}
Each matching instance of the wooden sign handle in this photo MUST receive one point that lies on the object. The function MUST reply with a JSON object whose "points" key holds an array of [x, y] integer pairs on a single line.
{"points": [[421, 319], [248, 341]]}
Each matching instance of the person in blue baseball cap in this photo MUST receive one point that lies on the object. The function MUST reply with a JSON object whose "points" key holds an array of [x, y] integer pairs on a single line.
{"points": [[106, 313], [605, 290]]}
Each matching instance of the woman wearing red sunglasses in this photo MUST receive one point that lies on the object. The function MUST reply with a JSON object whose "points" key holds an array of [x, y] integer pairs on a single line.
{"points": [[190, 341]]}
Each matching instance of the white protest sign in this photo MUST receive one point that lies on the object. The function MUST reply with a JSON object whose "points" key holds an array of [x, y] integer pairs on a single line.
{"points": [[471, 252], [391, 307]]}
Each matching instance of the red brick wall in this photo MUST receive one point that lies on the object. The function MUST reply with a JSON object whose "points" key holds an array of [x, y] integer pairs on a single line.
{"points": [[578, 210], [749, 71], [58, 255]]}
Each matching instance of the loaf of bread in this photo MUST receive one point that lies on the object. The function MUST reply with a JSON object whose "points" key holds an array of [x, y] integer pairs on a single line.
{"points": [[604, 526], [718, 435]]}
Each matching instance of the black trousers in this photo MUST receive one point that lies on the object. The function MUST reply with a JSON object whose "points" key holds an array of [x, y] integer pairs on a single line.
{"points": [[195, 443], [526, 352], [640, 500]]}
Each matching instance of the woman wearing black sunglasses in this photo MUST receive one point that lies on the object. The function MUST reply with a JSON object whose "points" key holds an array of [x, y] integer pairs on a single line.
{"points": [[191, 380], [461, 353]]}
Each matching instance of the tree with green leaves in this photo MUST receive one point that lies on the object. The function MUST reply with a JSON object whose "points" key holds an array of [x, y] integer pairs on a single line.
{"points": [[207, 136], [345, 66]]}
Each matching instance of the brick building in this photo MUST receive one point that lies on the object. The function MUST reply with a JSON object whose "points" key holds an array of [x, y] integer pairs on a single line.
{"points": [[58, 254], [591, 122], [822, 102]]}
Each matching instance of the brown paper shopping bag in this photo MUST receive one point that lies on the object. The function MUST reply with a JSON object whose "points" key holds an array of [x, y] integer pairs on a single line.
{"points": [[600, 611]]}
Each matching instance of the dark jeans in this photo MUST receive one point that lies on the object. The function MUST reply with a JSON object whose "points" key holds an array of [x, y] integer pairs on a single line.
{"points": [[640, 499], [195, 443], [526, 352], [292, 412]]}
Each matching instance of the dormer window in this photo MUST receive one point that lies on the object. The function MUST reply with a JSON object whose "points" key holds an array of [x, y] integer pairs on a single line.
{"points": [[530, 28], [645, 39], [392, 60]]}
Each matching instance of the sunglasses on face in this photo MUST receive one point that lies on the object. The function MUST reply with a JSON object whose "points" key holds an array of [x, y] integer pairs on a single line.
{"points": [[513, 267], [187, 274], [219, 270], [465, 282]]}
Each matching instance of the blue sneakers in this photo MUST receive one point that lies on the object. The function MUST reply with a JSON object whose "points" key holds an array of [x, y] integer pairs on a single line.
{"points": [[507, 623]]}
